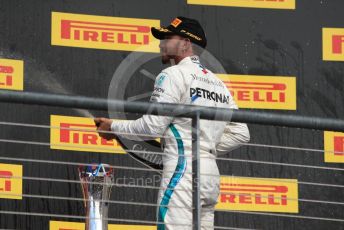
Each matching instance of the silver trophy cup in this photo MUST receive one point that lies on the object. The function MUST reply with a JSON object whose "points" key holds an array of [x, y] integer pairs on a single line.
{"points": [[96, 182]]}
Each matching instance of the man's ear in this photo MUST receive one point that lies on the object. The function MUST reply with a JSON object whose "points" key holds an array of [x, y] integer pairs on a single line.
{"points": [[188, 44]]}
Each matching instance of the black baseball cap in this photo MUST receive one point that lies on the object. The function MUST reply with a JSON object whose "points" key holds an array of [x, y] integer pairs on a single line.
{"points": [[185, 27]]}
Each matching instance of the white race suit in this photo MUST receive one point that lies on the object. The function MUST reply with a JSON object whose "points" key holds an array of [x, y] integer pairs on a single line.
{"points": [[188, 82]]}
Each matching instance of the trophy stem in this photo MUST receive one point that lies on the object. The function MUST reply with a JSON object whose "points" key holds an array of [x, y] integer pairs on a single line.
{"points": [[96, 182]]}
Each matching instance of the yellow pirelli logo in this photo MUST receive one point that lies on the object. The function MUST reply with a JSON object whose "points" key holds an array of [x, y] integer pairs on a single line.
{"points": [[79, 134], [11, 182], [262, 92], [100, 32], [334, 147], [271, 4], [333, 44], [63, 225], [258, 194], [11, 74]]}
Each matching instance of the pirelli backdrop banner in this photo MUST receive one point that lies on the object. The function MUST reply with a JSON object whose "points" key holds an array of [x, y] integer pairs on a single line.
{"points": [[334, 147], [258, 194], [64, 225], [11, 182], [333, 44], [11, 74], [279, 56], [269, 4], [112, 33], [262, 92], [79, 134]]}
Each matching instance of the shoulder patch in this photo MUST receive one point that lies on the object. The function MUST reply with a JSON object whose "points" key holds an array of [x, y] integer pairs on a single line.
{"points": [[161, 79]]}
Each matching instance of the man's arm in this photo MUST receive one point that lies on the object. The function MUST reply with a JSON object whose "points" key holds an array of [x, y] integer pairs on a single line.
{"points": [[168, 88], [148, 127], [233, 136]]}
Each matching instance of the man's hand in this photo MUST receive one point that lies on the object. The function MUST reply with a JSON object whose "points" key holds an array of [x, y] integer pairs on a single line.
{"points": [[104, 124]]}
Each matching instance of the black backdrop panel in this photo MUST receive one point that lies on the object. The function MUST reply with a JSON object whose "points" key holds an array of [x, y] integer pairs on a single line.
{"points": [[246, 41]]}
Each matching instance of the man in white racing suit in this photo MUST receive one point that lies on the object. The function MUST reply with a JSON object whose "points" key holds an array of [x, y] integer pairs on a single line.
{"points": [[186, 82]]}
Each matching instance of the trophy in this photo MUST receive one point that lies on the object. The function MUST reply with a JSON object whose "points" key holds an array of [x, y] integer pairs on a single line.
{"points": [[96, 182]]}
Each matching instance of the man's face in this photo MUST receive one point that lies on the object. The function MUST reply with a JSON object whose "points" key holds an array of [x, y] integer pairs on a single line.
{"points": [[170, 48]]}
